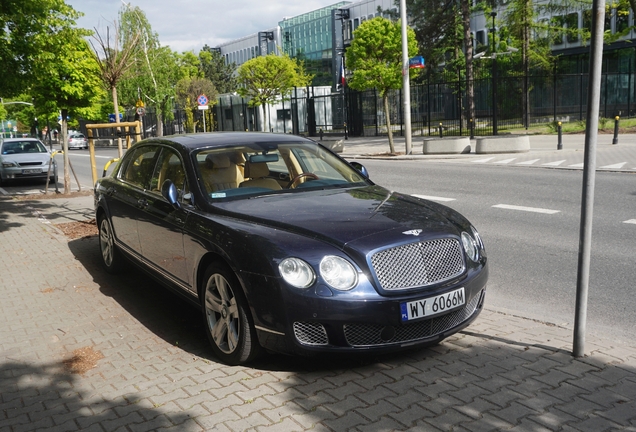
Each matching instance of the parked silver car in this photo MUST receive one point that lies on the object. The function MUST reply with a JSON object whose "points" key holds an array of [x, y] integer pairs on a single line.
{"points": [[77, 141], [25, 158]]}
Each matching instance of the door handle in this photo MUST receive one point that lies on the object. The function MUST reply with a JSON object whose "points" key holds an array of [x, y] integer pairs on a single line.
{"points": [[111, 191], [142, 203]]}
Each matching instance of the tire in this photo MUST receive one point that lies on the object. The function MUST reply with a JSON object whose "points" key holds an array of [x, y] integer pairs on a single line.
{"points": [[111, 257], [228, 323]]}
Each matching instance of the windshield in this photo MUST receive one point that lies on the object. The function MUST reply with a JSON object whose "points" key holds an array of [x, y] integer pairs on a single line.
{"points": [[252, 170], [27, 146]]}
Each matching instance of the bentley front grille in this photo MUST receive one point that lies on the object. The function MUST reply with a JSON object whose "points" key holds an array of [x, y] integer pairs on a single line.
{"points": [[361, 335], [310, 333], [418, 264]]}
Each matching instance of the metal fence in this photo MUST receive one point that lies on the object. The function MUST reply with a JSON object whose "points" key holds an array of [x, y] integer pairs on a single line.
{"points": [[439, 107], [436, 108]]}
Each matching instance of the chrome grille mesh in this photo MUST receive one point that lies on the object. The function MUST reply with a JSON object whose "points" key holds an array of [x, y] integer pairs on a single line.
{"points": [[359, 335], [310, 333], [418, 264]]}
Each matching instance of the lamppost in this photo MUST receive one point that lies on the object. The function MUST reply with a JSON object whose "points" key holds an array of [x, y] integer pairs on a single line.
{"points": [[493, 54]]}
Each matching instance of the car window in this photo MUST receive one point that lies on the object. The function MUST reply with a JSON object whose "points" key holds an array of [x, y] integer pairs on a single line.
{"points": [[170, 167], [268, 168], [30, 146], [139, 166]]}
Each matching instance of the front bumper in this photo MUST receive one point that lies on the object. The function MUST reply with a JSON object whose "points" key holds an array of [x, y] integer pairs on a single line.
{"points": [[371, 323], [20, 173]]}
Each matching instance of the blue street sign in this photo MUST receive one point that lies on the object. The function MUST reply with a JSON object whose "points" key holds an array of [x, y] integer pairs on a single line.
{"points": [[416, 62]]}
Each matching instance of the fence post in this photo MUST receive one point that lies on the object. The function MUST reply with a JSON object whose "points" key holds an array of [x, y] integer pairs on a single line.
{"points": [[615, 139]]}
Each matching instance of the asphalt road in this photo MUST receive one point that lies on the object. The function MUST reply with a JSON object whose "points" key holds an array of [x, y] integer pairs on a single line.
{"points": [[529, 219]]}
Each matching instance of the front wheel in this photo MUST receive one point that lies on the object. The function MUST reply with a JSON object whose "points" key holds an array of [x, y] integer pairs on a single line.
{"points": [[229, 326], [111, 257]]}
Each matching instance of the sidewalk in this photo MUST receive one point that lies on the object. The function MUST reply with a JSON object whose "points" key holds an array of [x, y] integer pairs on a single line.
{"points": [[145, 364], [365, 147]]}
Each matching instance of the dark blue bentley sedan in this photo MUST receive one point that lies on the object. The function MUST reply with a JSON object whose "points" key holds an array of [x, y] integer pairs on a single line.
{"points": [[286, 246]]}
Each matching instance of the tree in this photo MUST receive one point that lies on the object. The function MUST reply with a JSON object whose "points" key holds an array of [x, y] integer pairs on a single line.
{"points": [[68, 79], [22, 22], [435, 25], [188, 90], [216, 70], [156, 68], [267, 79], [113, 63], [375, 56]]}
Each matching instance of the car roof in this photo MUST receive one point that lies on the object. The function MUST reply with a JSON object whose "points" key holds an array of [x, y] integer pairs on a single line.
{"points": [[224, 139], [19, 139]]}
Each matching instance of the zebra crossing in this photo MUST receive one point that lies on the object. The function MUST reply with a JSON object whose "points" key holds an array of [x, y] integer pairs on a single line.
{"points": [[560, 163]]}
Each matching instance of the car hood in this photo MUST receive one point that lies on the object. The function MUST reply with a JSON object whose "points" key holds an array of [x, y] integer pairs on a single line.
{"points": [[27, 157], [341, 216]]}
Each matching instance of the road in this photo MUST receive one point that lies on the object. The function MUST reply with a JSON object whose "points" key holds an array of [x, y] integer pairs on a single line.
{"points": [[529, 219]]}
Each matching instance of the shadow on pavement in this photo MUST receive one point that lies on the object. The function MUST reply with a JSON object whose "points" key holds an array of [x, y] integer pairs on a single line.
{"points": [[162, 312], [496, 375], [41, 397]]}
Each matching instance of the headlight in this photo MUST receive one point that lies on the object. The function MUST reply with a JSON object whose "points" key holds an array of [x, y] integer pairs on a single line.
{"points": [[470, 246], [9, 164], [477, 237], [296, 272], [338, 272]]}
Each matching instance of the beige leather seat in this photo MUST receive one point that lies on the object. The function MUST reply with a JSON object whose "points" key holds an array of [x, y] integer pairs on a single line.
{"points": [[219, 173], [257, 173]]}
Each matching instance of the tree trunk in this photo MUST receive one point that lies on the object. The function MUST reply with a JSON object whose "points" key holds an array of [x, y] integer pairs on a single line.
{"points": [[64, 132], [116, 104], [385, 99], [159, 124], [264, 117], [468, 43]]}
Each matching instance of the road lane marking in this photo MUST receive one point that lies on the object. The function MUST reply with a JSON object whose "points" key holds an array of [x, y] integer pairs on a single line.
{"points": [[97, 156], [615, 166], [527, 209], [556, 163], [578, 165], [505, 161], [483, 160], [530, 162], [434, 198], [631, 221]]}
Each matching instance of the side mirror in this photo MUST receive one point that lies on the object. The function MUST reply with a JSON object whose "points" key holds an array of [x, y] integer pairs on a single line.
{"points": [[169, 192], [360, 168]]}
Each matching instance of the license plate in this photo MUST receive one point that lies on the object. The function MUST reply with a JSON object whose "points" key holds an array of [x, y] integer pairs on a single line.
{"points": [[32, 171], [432, 306]]}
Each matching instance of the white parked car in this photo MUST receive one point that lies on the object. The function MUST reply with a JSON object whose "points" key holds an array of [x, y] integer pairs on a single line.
{"points": [[25, 158], [77, 141]]}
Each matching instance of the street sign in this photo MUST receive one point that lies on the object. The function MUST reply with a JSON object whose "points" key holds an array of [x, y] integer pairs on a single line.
{"points": [[139, 104], [416, 62], [202, 100], [203, 107], [141, 111]]}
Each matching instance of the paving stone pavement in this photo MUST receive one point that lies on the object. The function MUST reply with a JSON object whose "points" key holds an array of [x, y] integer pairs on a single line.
{"points": [[157, 373]]}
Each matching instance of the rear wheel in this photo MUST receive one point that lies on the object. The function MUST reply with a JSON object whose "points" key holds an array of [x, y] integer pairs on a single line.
{"points": [[228, 323], [111, 257]]}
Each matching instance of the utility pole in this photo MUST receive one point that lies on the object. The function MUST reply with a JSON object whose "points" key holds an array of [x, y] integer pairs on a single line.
{"points": [[406, 84], [589, 175]]}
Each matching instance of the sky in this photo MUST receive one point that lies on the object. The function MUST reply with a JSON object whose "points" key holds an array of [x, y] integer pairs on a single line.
{"points": [[187, 25]]}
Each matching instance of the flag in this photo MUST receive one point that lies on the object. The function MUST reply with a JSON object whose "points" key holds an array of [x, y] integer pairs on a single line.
{"points": [[341, 79]]}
